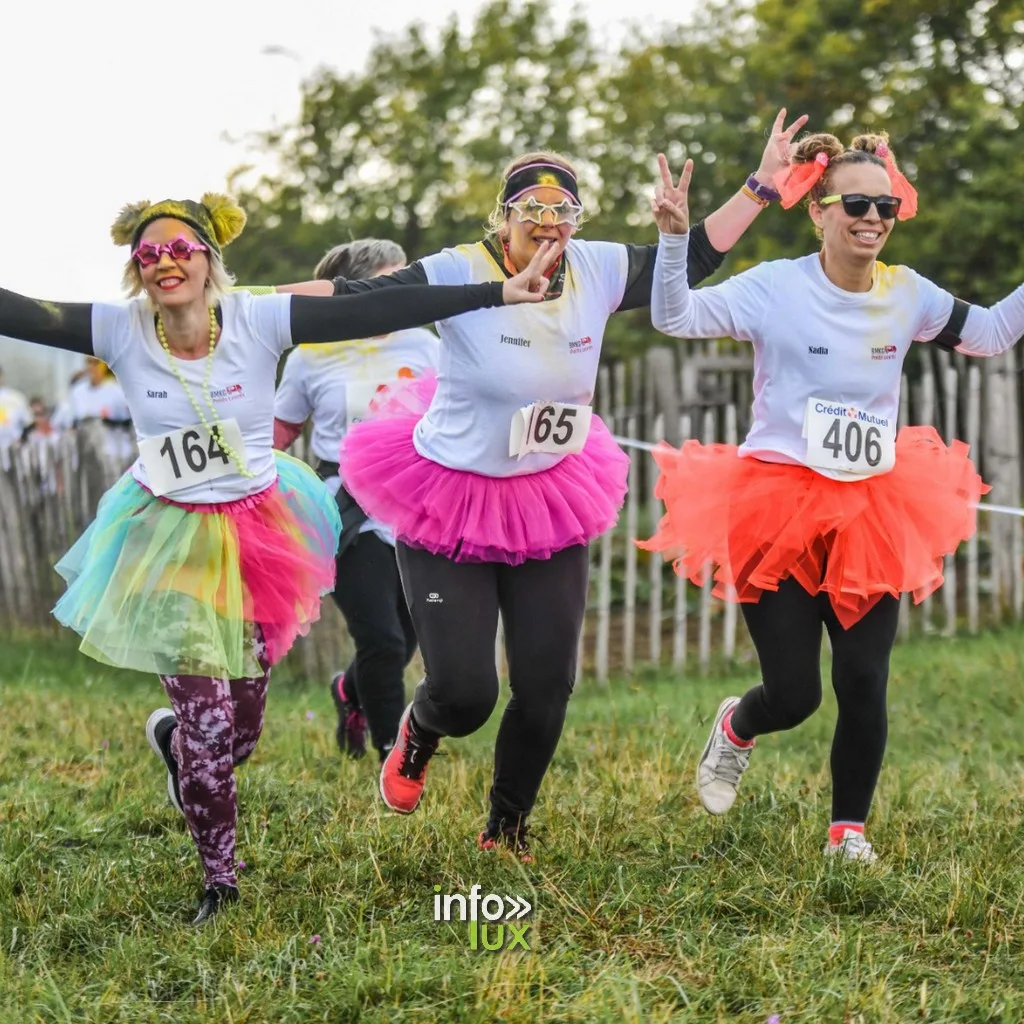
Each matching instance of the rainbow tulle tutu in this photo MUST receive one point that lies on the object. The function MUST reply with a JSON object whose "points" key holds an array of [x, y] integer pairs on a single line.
{"points": [[180, 589], [756, 523], [472, 518]]}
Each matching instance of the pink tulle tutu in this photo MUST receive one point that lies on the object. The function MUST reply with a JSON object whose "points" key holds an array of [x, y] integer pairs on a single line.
{"points": [[472, 518]]}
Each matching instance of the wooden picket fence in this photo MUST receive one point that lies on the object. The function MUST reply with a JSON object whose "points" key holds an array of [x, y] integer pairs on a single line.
{"points": [[640, 614]]}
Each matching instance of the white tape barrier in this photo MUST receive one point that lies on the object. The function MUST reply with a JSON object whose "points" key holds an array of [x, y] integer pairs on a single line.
{"points": [[646, 446]]}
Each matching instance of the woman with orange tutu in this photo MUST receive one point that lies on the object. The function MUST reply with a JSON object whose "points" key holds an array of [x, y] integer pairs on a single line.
{"points": [[824, 515]]}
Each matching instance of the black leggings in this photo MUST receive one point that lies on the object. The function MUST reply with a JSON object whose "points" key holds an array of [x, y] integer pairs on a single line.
{"points": [[455, 609], [786, 629], [369, 593]]}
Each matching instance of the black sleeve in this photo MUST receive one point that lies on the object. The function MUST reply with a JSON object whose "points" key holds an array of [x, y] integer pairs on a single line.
{"points": [[949, 337], [702, 261], [349, 317], [66, 325], [412, 274]]}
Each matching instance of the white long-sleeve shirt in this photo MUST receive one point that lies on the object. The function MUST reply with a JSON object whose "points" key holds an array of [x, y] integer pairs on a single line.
{"points": [[812, 339]]}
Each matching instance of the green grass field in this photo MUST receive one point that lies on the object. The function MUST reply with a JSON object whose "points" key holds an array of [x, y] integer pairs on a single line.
{"points": [[644, 908]]}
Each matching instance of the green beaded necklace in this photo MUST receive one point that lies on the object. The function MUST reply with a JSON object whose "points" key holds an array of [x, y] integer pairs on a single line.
{"points": [[214, 427]]}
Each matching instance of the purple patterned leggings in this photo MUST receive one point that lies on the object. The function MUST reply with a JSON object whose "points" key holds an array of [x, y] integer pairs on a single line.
{"points": [[219, 725]]}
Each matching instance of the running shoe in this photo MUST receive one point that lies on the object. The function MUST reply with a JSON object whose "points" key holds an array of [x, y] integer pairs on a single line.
{"points": [[514, 838], [722, 764], [853, 846], [404, 771], [159, 730], [215, 899], [351, 731]]}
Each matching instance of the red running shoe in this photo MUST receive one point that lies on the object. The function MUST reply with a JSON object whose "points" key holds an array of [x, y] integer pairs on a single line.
{"points": [[404, 771], [515, 838]]}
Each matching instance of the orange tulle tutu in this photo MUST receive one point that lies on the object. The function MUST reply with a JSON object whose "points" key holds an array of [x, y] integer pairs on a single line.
{"points": [[756, 523]]}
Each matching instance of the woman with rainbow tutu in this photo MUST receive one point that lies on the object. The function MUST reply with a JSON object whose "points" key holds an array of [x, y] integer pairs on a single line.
{"points": [[210, 555], [825, 514]]}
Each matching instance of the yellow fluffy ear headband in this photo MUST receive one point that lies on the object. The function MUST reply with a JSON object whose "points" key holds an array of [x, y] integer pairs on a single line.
{"points": [[216, 218]]}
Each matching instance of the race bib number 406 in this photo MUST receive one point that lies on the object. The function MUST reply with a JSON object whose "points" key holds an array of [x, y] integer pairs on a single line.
{"points": [[551, 427], [190, 456], [848, 439]]}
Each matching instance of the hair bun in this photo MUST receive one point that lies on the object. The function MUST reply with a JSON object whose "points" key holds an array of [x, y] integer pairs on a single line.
{"points": [[808, 148], [869, 142]]}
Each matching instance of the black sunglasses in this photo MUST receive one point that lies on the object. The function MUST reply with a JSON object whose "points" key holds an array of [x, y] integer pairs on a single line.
{"points": [[856, 205]]}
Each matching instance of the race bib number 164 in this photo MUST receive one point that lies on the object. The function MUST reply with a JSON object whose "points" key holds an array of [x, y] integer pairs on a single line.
{"points": [[190, 456], [848, 439]]}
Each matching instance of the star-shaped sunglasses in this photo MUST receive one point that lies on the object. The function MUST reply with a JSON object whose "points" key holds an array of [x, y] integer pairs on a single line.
{"points": [[532, 212], [179, 248]]}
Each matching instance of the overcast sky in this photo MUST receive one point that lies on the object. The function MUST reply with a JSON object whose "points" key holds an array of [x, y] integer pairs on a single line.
{"points": [[110, 102]]}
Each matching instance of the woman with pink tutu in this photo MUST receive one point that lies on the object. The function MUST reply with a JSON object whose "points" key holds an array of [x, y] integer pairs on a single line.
{"points": [[824, 515], [496, 475]]}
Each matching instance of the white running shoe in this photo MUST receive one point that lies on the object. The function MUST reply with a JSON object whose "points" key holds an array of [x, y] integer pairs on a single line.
{"points": [[722, 765], [159, 729], [853, 846]]}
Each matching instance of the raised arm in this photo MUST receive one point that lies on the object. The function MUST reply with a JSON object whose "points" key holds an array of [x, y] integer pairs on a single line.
{"points": [[713, 237], [65, 325], [348, 317], [704, 261], [725, 227], [733, 309]]}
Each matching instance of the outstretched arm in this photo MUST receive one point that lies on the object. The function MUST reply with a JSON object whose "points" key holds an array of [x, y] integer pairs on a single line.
{"points": [[986, 331], [65, 325], [348, 317], [412, 274]]}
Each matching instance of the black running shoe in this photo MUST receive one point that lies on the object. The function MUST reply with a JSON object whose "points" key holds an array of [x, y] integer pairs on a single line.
{"points": [[351, 731], [215, 899], [159, 730], [515, 838]]}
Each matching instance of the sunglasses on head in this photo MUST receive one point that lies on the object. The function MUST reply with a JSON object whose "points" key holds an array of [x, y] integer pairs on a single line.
{"points": [[857, 205], [565, 212], [180, 248]]}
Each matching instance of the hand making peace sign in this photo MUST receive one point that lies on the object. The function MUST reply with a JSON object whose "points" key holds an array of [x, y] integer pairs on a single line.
{"points": [[670, 204]]}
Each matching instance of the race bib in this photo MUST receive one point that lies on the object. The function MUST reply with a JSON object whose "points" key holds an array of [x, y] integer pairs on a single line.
{"points": [[358, 395], [848, 439], [551, 427], [190, 456]]}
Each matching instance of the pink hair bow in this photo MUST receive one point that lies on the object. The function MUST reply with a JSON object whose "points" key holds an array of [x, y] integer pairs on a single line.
{"points": [[901, 188], [796, 180]]}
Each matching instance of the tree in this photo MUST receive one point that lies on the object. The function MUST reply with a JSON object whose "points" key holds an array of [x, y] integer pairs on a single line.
{"points": [[413, 147]]}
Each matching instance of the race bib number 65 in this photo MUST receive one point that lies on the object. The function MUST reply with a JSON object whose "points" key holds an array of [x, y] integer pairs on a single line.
{"points": [[848, 439], [551, 427], [189, 456]]}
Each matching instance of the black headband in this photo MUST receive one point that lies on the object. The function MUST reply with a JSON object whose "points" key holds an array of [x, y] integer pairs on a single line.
{"points": [[536, 176]]}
